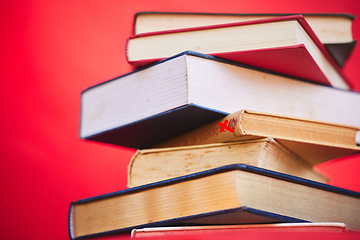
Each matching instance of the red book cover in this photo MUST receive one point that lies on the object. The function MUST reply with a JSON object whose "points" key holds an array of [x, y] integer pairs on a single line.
{"points": [[294, 60], [258, 228]]}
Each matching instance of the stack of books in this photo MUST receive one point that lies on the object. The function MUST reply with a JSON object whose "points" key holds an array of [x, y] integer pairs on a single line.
{"points": [[229, 114]]}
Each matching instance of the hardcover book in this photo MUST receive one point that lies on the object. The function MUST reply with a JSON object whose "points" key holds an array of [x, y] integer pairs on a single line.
{"points": [[173, 96], [285, 45], [153, 165], [234, 194], [217, 229], [313, 141], [333, 29]]}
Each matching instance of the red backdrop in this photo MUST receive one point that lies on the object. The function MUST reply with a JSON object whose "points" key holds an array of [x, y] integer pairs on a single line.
{"points": [[51, 51]]}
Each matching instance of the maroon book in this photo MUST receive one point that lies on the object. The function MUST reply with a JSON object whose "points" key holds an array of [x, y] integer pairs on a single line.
{"points": [[257, 43]]}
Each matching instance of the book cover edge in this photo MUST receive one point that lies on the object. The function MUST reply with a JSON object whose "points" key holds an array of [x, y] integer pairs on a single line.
{"points": [[257, 212], [347, 15], [241, 167], [188, 105]]}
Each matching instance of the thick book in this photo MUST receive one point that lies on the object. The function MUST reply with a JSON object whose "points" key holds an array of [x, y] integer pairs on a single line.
{"points": [[333, 29], [153, 165], [328, 227], [234, 194], [285, 45], [313, 141], [188, 90]]}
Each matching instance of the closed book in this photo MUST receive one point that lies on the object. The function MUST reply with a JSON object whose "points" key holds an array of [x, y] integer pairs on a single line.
{"points": [[173, 96], [285, 45], [314, 141], [333, 29], [220, 229], [234, 194], [153, 165]]}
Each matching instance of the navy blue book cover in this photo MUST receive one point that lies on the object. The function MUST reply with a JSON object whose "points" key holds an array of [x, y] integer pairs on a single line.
{"points": [[155, 129], [226, 216]]}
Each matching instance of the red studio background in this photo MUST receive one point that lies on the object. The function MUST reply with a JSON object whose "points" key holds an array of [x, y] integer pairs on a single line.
{"points": [[50, 52]]}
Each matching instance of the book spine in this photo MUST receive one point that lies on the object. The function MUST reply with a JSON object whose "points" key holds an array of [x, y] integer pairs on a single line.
{"points": [[214, 132], [130, 168]]}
